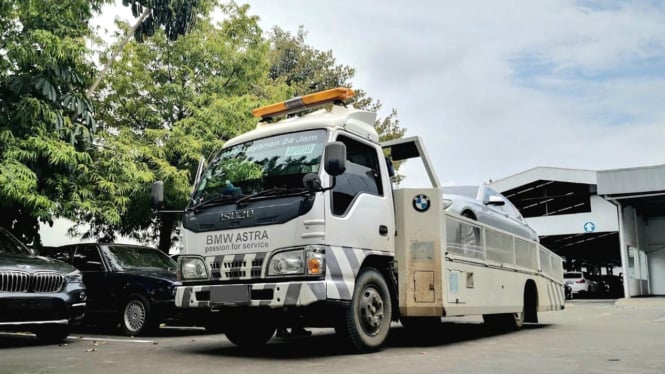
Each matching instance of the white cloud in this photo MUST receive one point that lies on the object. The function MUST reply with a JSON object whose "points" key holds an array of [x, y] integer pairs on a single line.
{"points": [[455, 73], [495, 88]]}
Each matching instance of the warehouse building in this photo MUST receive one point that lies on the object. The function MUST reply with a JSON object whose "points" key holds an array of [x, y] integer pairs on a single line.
{"points": [[609, 223]]}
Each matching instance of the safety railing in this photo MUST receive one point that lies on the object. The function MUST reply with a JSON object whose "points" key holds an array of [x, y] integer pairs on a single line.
{"points": [[475, 241]]}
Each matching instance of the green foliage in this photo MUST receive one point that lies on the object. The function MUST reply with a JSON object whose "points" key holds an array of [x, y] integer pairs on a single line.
{"points": [[177, 92], [174, 101], [175, 17], [46, 121], [305, 70]]}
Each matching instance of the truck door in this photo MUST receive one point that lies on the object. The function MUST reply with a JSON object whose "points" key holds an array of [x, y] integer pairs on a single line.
{"points": [[361, 212]]}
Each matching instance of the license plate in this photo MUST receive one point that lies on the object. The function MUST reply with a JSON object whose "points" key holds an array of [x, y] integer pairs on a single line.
{"points": [[230, 294]]}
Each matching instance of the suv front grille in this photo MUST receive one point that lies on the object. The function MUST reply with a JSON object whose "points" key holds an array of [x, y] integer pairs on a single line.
{"points": [[22, 282], [14, 281], [47, 282]]}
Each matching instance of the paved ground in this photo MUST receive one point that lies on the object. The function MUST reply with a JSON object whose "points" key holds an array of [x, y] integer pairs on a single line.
{"points": [[590, 336]]}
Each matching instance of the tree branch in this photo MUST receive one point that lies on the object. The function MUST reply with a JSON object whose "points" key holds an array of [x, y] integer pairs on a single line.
{"points": [[116, 52]]}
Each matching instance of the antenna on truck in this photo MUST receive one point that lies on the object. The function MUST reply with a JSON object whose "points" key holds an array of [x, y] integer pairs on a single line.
{"points": [[300, 103]]}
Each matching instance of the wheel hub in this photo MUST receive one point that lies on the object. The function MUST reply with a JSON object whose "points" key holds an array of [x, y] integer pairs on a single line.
{"points": [[371, 311]]}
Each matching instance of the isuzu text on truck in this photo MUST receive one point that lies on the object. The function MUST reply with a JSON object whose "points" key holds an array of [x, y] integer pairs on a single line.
{"points": [[296, 223]]}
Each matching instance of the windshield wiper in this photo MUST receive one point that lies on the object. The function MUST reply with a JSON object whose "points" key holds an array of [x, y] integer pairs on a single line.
{"points": [[290, 191], [213, 201]]}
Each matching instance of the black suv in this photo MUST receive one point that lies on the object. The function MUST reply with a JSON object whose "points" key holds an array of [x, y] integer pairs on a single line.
{"points": [[127, 284], [38, 294]]}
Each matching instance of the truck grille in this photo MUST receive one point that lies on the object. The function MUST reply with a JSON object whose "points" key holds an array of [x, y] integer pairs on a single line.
{"points": [[237, 266], [19, 281]]}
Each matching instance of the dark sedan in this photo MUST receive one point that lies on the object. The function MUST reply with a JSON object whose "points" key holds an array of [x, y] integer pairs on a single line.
{"points": [[38, 294], [127, 284]]}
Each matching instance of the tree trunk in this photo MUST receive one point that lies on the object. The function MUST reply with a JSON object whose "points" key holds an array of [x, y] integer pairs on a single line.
{"points": [[166, 225]]}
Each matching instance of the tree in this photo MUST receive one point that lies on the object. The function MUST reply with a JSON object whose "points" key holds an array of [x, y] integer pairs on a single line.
{"points": [[46, 121], [166, 104], [305, 69], [174, 17]]}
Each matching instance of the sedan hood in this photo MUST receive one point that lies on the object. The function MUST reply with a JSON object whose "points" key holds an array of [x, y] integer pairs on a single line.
{"points": [[153, 273], [33, 263]]}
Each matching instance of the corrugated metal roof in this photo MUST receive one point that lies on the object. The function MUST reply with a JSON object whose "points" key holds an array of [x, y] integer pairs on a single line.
{"points": [[547, 174], [632, 180]]}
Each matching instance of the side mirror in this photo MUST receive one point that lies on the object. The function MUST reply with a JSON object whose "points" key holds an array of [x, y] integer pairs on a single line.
{"points": [[157, 194], [495, 200], [312, 182], [334, 161]]}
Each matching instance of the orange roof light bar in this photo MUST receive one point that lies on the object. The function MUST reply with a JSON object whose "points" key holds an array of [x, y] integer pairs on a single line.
{"points": [[304, 102]]}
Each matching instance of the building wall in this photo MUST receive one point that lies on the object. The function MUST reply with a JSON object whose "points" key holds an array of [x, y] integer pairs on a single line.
{"points": [[603, 215], [655, 239]]}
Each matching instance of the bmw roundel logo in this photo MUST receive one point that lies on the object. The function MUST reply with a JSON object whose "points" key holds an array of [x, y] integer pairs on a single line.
{"points": [[421, 203]]}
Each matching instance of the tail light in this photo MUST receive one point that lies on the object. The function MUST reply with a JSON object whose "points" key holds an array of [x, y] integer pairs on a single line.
{"points": [[581, 281]]}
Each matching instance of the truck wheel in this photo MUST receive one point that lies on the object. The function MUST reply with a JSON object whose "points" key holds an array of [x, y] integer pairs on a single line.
{"points": [[136, 316], [249, 334], [505, 321], [366, 321], [51, 334]]}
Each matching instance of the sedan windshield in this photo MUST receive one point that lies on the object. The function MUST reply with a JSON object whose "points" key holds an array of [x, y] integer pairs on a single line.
{"points": [[276, 162], [132, 257], [10, 245]]}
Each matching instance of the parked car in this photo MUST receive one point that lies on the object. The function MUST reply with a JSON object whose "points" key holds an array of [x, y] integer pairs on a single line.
{"points": [[580, 283], [488, 206], [38, 294], [127, 284]]}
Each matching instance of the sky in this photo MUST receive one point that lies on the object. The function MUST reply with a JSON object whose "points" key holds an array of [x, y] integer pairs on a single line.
{"points": [[495, 88]]}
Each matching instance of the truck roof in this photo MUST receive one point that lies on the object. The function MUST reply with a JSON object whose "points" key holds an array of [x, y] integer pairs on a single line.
{"points": [[356, 121]]}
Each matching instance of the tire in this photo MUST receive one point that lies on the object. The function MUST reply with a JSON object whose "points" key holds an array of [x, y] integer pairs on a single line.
{"points": [[365, 323], [52, 334], [249, 334], [505, 321], [137, 317]]}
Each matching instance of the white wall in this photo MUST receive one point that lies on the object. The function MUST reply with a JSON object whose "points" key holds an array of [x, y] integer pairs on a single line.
{"points": [[603, 215], [655, 246]]}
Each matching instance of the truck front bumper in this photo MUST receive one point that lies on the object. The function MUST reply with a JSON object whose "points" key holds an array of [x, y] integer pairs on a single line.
{"points": [[272, 295]]}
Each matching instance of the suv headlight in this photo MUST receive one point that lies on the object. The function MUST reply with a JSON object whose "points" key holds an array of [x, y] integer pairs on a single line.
{"points": [[192, 268], [306, 261], [74, 277]]}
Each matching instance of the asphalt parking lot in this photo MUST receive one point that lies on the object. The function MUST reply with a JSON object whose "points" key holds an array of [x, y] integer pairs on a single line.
{"points": [[590, 336]]}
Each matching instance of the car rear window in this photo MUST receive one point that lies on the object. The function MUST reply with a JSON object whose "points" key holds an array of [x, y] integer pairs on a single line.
{"points": [[572, 275], [132, 257]]}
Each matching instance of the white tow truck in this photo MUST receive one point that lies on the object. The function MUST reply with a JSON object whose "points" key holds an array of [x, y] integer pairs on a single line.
{"points": [[297, 223]]}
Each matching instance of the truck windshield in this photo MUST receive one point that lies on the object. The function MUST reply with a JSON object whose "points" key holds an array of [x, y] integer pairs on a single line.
{"points": [[244, 169]]}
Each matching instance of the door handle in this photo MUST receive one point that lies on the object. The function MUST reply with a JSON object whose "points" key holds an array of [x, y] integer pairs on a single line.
{"points": [[383, 230]]}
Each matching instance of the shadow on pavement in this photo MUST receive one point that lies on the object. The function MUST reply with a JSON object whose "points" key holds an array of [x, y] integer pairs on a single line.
{"points": [[327, 343]]}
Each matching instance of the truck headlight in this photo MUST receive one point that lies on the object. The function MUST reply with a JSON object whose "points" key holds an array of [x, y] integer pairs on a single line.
{"points": [[74, 277], [307, 261], [193, 268]]}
